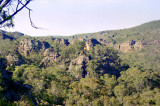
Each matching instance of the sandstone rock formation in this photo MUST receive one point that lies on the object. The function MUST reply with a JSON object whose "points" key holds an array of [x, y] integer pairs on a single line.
{"points": [[89, 44], [129, 46], [78, 65], [26, 46], [138, 45], [12, 60], [49, 57]]}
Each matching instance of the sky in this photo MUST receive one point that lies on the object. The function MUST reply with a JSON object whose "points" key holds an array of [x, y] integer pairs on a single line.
{"points": [[69, 17]]}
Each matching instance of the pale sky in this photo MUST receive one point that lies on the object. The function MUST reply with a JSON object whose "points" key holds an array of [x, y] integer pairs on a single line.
{"points": [[69, 17]]}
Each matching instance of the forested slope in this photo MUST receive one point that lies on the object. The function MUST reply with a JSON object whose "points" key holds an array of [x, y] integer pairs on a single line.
{"points": [[108, 68]]}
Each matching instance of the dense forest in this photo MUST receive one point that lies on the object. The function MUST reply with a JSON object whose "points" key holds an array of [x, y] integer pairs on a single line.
{"points": [[107, 68]]}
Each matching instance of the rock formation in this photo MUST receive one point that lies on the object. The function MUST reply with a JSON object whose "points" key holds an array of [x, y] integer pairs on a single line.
{"points": [[129, 46], [12, 60], [78, 65], [27, 46], [138, 45], [49, 57], [89, 44]]}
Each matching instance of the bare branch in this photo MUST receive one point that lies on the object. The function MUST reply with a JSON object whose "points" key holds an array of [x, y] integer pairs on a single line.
{"points": [[9, 17], [4, 4]]}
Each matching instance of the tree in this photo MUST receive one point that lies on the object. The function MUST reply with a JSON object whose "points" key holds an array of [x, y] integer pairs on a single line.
{"points": [[9, 8]]}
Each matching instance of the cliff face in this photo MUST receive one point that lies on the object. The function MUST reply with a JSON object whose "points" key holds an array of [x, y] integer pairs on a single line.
{"points": [[12, 60], [49, 57], [78, 65], [129, 46], [89, 44], [27, 46]]}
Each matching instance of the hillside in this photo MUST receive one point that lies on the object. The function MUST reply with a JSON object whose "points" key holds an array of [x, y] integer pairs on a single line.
{"points": [[147, 37], [107, 68]]}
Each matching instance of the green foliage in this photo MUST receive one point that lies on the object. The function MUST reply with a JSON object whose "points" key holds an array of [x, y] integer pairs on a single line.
{"points": [[102, 77]]}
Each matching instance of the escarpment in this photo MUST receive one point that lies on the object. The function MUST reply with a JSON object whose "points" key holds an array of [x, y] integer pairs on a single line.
{"points": [[12, 60], [27, 46], [129, 46], [89, 44], [50, 56], [77, 67]]}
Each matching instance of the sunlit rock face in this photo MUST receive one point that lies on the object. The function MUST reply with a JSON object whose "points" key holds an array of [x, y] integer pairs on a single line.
{"points": [[12, 60], [129, 46], [50, 56], [89, 44], [78, 65], [27, 46]]}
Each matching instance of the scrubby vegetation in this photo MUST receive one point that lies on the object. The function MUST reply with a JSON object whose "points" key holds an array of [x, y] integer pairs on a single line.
{"points": [[53, 71]]}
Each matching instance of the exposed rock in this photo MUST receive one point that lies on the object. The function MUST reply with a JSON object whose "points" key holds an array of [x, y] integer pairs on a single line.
{"points": [[49, 57], [89, 44], [78, 65], [27, 46], [129, 46], [138, 45], [12, 60], [61, 41]]}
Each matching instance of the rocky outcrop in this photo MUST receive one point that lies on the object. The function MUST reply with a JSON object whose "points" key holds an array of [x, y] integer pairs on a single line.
{"points": [[27, 46], [12, 60], [89, 44], [138, 45], [61, 41], [78, 65], [49, 57], [129, 46]]}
